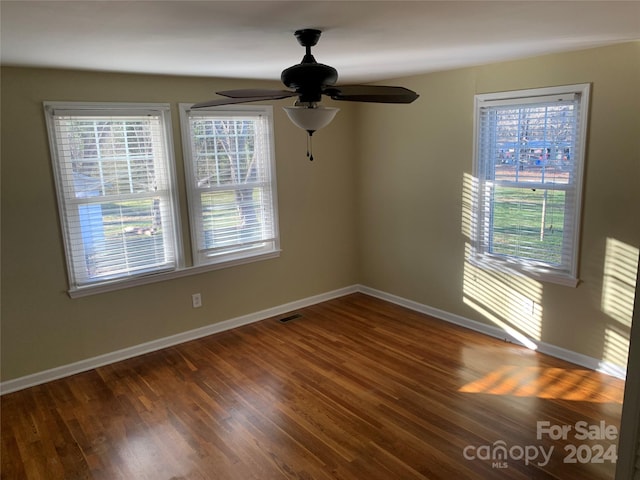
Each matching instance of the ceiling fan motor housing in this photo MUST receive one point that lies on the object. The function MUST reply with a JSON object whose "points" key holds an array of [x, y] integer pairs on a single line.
{"points": [[309, 77]]}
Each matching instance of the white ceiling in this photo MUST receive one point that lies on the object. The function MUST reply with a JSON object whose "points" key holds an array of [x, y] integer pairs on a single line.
{"points": [[364, 40]]}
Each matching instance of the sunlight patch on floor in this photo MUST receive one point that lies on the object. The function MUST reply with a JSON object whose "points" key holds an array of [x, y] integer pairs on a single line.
{"points": [[578, 385]]}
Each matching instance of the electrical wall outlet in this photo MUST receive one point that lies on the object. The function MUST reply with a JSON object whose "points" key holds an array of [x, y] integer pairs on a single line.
{"points": [[196, 300]]}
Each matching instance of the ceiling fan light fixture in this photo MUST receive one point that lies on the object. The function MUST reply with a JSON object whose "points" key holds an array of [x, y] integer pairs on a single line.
{"points": [[311, 117]]}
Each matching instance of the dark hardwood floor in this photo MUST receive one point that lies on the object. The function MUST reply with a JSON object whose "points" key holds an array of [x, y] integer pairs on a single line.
{"points": [[356, 388]]}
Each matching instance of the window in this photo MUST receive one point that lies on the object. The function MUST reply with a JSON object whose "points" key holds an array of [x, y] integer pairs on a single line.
{"points": [[113, 168], [117, 196], [231, 188], [528, 162]]}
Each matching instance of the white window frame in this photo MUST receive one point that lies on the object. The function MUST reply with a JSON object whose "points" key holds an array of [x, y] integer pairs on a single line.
{"points": [[268, 244], [80, 283], [565, 273]]}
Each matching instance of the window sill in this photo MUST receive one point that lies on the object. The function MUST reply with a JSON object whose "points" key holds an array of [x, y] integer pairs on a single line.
{"points": [[522, 269], [161, 277]]}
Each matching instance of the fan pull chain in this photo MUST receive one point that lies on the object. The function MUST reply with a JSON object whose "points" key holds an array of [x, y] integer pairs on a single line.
{"points": [[310, 146]]}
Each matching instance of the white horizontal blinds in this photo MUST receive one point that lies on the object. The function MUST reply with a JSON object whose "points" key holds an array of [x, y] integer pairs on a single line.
{"points": [[114, 177], [231, 183], [528, 154], [530, 143]]}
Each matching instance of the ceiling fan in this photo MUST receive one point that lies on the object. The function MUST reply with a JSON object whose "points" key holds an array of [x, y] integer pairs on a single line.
{"points": [[309, 80]]}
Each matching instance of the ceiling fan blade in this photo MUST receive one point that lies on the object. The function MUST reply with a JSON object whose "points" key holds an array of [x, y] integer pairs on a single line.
{"points": [[371, 93], [230, 101], [258, 92]]}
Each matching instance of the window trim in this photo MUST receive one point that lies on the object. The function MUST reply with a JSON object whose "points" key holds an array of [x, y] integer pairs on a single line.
{"points": [[237, 256], [164, 276], [479, 254]]}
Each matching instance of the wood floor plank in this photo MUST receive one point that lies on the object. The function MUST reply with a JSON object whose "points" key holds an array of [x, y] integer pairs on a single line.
{"points": [[353, 388]]}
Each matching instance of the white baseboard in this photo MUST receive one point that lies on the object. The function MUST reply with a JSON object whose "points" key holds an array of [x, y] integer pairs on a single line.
{"points": [[154, 345], [542, 347]]}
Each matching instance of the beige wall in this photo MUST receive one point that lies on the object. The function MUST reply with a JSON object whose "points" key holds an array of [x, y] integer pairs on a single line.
{"points": [[415, 167], [43, 328], [384, 205]]}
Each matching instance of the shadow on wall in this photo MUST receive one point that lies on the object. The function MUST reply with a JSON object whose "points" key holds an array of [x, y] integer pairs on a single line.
{"points": [[618, 291], [513, 302]]}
